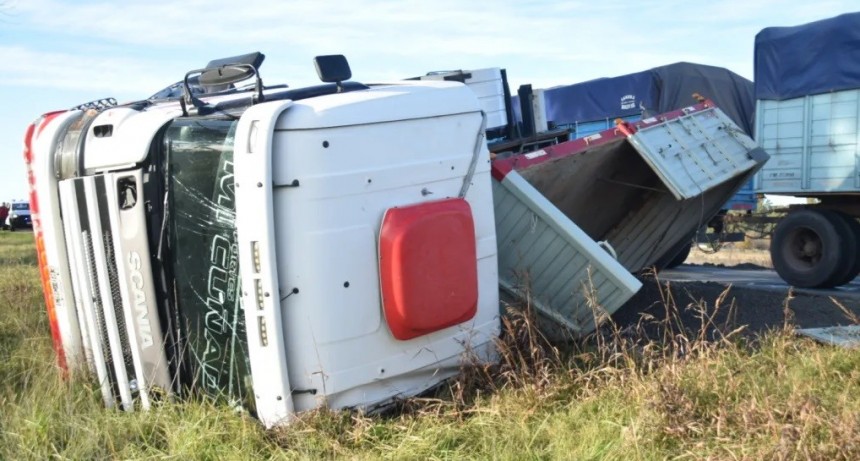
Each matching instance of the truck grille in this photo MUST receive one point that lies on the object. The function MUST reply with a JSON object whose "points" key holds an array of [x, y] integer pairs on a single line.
{"points": [[123, 364], [98, 312], [116, 296]]}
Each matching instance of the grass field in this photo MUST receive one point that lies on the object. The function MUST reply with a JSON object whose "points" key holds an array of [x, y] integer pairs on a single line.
{"points": [[616, 397]]}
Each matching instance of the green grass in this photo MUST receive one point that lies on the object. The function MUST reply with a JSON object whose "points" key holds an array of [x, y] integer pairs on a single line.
{"points": [[778, 397]]}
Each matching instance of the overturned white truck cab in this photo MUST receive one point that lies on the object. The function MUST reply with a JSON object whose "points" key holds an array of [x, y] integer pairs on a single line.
{"points": [[286, 249], [336, 245]]}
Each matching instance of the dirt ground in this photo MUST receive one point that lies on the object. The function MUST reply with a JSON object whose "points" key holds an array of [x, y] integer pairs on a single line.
{"points": [[753, 309]]}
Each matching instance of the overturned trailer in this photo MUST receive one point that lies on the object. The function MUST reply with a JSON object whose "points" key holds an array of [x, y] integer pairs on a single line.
{"points": [[638, 189], [575, 218]]}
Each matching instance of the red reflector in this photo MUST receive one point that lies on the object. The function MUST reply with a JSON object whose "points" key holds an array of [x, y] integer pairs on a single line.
{"points": [[428, 267]]}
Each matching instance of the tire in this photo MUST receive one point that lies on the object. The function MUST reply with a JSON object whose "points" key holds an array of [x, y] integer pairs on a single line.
{"points": [[665, 261], [848, 250], [806, 249], [854, 227], [680, 257]]}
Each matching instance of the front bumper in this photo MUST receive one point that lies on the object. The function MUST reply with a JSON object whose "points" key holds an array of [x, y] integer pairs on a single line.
{"points": [[20, 221]]}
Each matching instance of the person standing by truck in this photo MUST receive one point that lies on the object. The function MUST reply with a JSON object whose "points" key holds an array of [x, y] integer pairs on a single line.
{"points": [[4, 213]]}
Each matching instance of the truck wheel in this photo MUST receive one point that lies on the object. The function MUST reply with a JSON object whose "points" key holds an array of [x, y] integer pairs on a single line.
{"points": [[806, 249], [854, 234], [680, 257], [848, 249], [669, 259]]}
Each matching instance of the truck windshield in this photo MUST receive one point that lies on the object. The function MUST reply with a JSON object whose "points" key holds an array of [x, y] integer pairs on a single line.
{"points": [[20, 206], [203, 256]]}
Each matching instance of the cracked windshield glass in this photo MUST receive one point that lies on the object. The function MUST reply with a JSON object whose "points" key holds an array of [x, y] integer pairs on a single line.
{"points": [[204, 255]]}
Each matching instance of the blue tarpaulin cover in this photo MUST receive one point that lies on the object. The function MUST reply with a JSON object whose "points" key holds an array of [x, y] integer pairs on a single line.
{"points": [[814, 58], [652, 92], [605, 97]]}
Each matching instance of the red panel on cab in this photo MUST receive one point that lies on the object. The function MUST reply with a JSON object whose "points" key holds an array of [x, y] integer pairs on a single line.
{"points": [[428, 267]]}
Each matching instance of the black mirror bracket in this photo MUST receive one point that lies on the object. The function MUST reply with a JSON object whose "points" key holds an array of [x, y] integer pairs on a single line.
{"points": [[222, 75]]}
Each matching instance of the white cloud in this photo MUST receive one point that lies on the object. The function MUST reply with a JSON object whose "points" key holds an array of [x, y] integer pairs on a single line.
{"points": [[70, 49], [128, 46], [28, 68]]}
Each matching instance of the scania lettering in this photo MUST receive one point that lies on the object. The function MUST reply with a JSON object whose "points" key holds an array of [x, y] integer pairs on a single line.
{"points": [[139, 301]]}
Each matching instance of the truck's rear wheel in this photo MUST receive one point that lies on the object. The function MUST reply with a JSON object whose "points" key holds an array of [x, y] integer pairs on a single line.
{"points": [[848, 249], [676, 255], [679, 258], [806, 249], [854, 235]]}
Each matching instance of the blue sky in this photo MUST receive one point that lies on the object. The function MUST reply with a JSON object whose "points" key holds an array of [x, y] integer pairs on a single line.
{"points": [[57, 54]]}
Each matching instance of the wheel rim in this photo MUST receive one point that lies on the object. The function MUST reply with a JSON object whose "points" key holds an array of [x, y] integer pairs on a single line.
{"points": [[805, 248]]}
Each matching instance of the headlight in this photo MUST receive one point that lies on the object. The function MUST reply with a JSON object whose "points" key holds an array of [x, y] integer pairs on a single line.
{"points": [[13, 216]]}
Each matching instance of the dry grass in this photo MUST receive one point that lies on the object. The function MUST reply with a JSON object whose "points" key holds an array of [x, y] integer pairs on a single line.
{"points": [[733, 254], [624, 393]]}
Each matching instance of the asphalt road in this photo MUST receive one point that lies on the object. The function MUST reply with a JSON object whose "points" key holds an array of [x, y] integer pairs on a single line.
{"points": [[762, 279], [757, 302]]}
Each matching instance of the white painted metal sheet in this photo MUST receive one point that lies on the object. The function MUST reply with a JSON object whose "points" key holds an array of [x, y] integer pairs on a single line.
{"points": [[545, 257], [331, 184], [488, 87], [814, 143], [131, 133], [255, 227], [695, 152]]}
